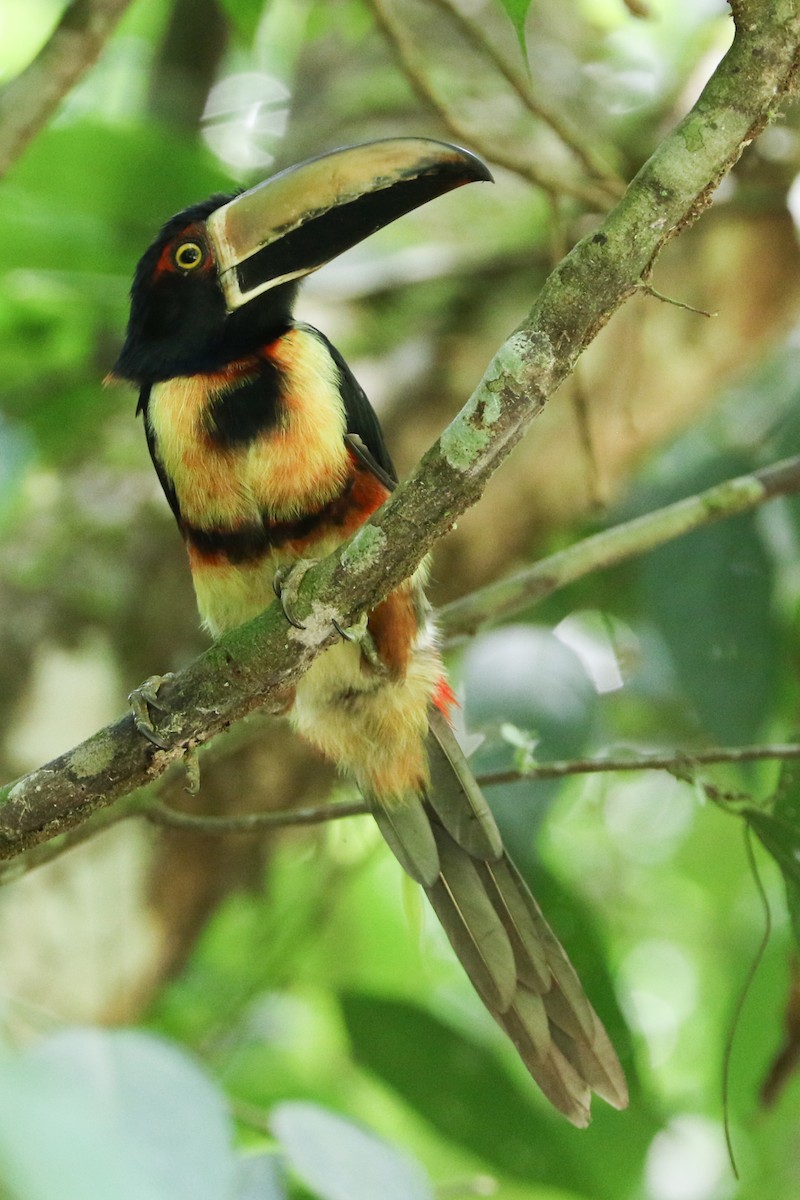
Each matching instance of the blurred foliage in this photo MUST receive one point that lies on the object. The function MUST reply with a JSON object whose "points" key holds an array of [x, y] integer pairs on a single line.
{"points": [[298, 1015]]}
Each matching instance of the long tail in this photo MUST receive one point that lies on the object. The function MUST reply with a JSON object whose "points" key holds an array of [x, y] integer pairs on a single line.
{"points": [[451, 845]]}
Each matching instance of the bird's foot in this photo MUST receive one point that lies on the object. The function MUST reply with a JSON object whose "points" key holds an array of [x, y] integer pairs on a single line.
{"points": [[144, 698], [286, 584], [359, 635]]}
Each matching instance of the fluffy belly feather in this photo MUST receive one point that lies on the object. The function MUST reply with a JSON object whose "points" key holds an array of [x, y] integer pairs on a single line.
{"points": [[372, 726]]}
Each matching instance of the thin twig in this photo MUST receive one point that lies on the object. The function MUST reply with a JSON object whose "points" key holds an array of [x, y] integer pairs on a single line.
{"points": [[681, 763], [752, 970], [582, 410], [29, 100], [591, 194], [584, 151], [649, 290], [162, 814], [151, 809]]}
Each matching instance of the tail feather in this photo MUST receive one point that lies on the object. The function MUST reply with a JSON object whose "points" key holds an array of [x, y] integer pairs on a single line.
{"points": [[463, 811], [472, 924], [566, 1016], [502, 886], [511, 955], [572, 1002], [561, 1083], [594, 1060], [408, 834]]}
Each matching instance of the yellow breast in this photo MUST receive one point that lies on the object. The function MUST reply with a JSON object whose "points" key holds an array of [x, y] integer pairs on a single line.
{"points": [[299, 463]]}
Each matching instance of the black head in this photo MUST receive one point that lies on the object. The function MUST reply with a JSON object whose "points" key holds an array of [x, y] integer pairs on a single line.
{"points": [[179, 323], [220, 279]]}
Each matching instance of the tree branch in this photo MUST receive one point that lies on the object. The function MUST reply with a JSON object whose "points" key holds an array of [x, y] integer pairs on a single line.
{"points": [[681, 764], [630, 539], [28, 102], [464, 617], [47, 851], [257, 665], [163, 814]]}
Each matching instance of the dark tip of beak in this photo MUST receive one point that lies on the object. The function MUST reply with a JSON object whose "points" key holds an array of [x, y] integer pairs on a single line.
{"points": [[479, 172]]}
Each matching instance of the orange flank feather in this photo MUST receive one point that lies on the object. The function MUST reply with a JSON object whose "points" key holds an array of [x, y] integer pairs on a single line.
{"points": [[393, 627], [366, 496]]}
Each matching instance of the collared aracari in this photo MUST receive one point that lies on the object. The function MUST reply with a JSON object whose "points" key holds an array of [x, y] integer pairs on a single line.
{"points": [[269, 453]]}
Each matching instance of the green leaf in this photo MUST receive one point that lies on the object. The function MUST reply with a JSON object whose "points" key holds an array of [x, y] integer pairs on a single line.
{"points": [[340, 1161], [523, 675], [88, 1114], [462, 1088], [517, 11], [244, 16], [139, 177]]}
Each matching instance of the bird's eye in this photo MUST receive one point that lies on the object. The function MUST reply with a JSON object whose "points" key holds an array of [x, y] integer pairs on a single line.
{"points": [[188, 256]]}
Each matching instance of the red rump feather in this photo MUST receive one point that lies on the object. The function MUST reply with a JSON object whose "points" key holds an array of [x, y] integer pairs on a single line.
{"points": [[444, 698]]}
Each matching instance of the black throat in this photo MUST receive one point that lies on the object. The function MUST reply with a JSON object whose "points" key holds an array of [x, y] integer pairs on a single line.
{"points": [[179, 324]]}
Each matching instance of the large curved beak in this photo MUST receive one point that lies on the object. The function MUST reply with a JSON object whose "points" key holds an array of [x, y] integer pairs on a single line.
{"points": [[302, 218]]}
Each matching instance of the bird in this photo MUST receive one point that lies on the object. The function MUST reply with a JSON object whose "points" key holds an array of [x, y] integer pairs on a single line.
{"points": [[270, 456]]}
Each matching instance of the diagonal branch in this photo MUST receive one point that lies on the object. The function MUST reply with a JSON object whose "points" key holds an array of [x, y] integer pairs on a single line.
{"points": [[628, 540], [257, 665], [494, 602], [28, 102]]}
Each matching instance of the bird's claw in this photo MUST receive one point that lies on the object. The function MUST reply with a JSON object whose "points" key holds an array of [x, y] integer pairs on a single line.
{"points": [[347, 635], [285, 585], [141, 700], [359, 635]]}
